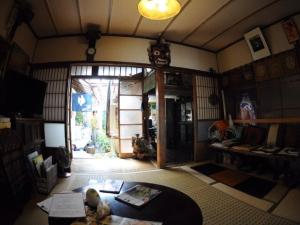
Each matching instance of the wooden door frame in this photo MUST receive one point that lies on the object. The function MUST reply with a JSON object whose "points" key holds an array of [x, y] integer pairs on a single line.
{"points": [[161, 118]]}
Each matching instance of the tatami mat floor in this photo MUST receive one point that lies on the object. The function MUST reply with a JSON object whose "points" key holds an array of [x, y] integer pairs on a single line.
{"points": [[218, 208], [281, 200]]}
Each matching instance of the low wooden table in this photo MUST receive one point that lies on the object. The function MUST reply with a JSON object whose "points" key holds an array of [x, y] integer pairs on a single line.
{"points": [[171, 207]]}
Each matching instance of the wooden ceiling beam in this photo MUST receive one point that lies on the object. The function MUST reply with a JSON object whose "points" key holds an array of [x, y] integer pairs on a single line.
{"points": [[79, 15], [48, 7], [110, 7], [240, 21], [137, 25], [33, 31]]}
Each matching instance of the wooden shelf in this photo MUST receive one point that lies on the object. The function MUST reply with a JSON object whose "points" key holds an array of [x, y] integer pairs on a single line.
{"points": [[273, 120]]}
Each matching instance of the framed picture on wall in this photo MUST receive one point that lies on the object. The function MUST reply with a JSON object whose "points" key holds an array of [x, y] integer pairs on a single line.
{"points": [[257, 44], [290, 30]]}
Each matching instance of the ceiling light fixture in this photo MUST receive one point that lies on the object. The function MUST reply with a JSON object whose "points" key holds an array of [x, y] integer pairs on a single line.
{"points": [[159, 9]]}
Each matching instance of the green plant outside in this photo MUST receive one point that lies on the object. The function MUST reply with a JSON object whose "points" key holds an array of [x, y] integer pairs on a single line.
{"points": [[103, 141], [79, 118]]}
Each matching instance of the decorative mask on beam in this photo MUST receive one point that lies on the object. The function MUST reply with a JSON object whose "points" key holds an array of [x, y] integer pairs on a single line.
{"points": [[159, 54]]}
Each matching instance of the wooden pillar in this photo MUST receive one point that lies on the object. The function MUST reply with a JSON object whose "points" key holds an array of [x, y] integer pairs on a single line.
{"points": [[195, 116], [161, 118]]}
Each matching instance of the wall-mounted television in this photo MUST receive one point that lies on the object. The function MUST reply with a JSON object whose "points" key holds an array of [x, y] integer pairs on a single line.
{"points": [[22, 95]]}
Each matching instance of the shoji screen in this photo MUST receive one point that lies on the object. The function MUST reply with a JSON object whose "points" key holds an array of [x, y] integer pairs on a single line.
{"points": [[205, 86], [54, 112], [55, 98], [131, 117]]}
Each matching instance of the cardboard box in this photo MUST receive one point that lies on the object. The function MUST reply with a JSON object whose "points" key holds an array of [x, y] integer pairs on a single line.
{"points": [[4, 125], [91, 150], [4, 120]]}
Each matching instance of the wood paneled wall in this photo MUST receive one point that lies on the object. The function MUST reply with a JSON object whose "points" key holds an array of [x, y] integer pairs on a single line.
{"points": [[272, 84]]}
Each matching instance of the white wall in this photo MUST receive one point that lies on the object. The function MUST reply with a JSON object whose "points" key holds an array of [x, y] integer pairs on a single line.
{"points": [[26, 40], [234, 56], [120, 49], [239, 54]]}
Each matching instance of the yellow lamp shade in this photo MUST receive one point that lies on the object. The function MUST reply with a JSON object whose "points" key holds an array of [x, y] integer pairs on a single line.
{"points": [[159, 9]]}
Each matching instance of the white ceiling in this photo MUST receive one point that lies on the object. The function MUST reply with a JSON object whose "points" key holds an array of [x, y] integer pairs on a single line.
{"points": [[207, 24]]}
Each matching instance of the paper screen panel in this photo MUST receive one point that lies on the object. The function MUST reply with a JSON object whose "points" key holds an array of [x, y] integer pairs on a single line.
{"points": [[130, 117], [55, 97], [205, 86], [130, 102], [129, 131], [130, 87]]}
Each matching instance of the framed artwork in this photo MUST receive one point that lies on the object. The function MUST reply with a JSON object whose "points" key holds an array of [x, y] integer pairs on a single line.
{"points": [[290, 30], [257, 44]]}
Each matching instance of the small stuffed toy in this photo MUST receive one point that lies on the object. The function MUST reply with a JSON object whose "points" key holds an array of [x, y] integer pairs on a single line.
{"points": [[92, 197], [93, 200], [103, 210]]}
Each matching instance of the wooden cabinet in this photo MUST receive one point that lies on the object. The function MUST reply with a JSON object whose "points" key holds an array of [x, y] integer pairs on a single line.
{"points": [[31, 132], [25, 136], [14, 181]]}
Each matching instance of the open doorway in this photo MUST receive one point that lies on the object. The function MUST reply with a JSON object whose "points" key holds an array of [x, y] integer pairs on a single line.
{"points": [[179, 118], [94, 117]]}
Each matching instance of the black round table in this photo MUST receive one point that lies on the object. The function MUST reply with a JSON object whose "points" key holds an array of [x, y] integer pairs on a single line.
{"points": [[171, 207]]}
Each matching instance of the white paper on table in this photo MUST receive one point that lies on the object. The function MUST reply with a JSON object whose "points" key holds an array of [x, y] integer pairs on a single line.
{"points": [[128, 221], [118, 220], [67, 205], [45, 205]]}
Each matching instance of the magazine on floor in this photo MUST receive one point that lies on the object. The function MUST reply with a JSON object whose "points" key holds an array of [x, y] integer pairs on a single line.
{"points": [[118, 220], [138, 195], [111, 186]]}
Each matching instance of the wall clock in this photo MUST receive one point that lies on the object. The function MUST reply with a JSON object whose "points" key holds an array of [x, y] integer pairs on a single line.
{"points": [[92, 35]]}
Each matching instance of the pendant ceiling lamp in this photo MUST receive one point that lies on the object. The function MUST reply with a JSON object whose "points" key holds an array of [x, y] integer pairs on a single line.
{"points": [[159, 9]]}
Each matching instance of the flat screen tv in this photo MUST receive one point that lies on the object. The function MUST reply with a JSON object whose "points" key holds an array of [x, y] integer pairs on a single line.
{"points": [[22, 95]]}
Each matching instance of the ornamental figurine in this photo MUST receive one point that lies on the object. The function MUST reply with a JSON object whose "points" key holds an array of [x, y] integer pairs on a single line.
{"points": [[159, 54]]}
